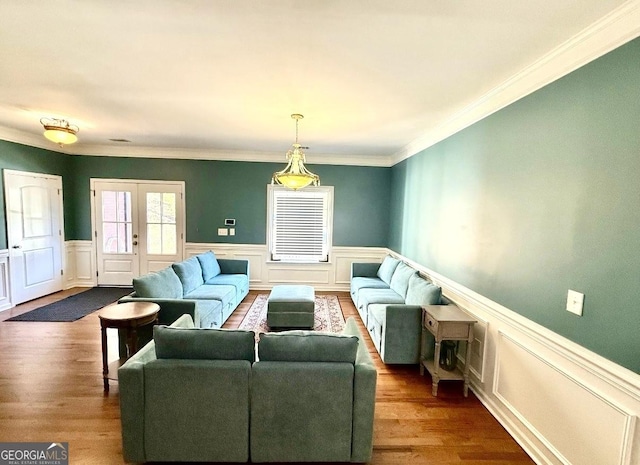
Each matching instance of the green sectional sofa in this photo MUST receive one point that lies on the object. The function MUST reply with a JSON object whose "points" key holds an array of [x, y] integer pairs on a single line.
{"points": [[389, 298], [199, 395], [203, 286]]}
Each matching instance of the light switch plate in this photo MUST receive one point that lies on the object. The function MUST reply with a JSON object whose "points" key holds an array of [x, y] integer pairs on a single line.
{"points": [[223, 231], [232, 231], [575, 302]]}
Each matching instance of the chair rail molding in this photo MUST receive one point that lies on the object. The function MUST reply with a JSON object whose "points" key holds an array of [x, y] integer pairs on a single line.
{"points": [[531, 377]]}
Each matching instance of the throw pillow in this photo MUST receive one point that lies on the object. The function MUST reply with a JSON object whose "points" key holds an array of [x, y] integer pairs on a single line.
{"points": [[209, 264], [422, 292], [400, 279], [163, 284], [190, 274], [388, 266]]}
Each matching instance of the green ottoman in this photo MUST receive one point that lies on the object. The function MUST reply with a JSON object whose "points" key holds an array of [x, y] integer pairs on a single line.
{"points": [[291, 306]]}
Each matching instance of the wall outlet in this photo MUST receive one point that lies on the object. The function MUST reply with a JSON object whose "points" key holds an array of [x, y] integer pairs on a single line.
{"points": [[222, 231], [575, 302]]}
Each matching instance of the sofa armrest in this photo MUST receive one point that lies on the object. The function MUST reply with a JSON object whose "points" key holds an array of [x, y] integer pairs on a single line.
{"points": [[233, 266], [402, 332], [368, 270], [131, 386], [170, 309], [364, 397]]}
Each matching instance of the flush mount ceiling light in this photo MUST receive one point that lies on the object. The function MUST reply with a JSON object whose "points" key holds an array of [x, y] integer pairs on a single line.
{"points": [[295, 176], [59, 131]]}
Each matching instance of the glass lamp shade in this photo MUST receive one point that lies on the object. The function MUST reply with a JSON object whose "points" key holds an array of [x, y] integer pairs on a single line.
{"points": [[60, 136], [295, 176]]}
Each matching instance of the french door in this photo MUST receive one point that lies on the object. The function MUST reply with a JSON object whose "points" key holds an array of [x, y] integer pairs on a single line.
{"points": [[34, 233], [138, 227]]}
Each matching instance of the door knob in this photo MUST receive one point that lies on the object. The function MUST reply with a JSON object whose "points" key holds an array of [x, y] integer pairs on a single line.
{"points": [[135, 242], [135, 236]]}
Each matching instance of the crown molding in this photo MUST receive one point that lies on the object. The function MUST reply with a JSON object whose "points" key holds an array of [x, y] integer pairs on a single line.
{"points": [[32, 140], [611, 31], [228, 155]]}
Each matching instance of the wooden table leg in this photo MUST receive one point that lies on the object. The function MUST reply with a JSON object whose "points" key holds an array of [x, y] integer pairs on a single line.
{"points": [[436, 369], [105, 362]]}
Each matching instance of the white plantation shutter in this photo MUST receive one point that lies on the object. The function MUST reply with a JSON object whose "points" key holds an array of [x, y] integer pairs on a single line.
{"points": [[300, 224]]}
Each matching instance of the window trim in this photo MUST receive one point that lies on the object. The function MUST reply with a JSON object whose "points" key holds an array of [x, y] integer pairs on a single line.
{"points": [[328, 190]]}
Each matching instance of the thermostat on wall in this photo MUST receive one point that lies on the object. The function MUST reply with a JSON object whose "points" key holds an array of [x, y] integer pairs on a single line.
{"points": [[230, 222]]}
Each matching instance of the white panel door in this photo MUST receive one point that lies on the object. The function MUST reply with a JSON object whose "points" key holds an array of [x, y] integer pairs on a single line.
{"points": [[139, 228], [34, 227]]}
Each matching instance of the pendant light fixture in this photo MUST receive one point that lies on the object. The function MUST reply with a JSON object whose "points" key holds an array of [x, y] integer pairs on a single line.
{"points": [[295, 176], [59, 131]]}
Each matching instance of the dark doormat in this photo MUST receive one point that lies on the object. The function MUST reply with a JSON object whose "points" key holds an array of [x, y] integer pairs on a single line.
{"points": [[76, 306]]}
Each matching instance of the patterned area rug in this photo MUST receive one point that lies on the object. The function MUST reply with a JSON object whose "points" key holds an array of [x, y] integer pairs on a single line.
{"points": [[328, 315]]}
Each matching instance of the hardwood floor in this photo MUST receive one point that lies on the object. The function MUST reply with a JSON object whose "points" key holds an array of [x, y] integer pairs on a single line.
{"points": [[51, 391]]}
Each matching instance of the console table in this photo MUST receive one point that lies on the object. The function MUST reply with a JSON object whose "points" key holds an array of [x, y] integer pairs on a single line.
{"points": [[446, 322], [128, 316]]}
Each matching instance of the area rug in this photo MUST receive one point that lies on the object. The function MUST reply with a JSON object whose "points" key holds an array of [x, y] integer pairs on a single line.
{"points": [[76, 306], [327, 315]]}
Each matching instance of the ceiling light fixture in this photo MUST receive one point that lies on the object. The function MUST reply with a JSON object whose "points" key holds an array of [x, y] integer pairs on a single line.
{"points": [[295, 176], [59, 131]]}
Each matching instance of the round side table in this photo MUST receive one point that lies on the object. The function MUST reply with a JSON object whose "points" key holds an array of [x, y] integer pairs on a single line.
{"points": [[128, 316]]}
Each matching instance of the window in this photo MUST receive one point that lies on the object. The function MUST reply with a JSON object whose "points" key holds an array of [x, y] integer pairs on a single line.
{"points": [[300, 223], [161, 223]]}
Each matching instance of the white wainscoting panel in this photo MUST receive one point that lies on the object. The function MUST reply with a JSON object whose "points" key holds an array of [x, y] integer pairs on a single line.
{"points": [[561, 402], [264, 274], [5, 294], [80, 264], [573, 413]]}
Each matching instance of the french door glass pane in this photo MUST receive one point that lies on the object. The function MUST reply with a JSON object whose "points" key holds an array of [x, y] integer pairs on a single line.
{"points": [[116, 224], [161, 223]]}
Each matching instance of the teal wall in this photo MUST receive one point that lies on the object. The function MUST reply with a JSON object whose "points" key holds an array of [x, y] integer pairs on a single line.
{"points": [[541, 197], [214, 190]]}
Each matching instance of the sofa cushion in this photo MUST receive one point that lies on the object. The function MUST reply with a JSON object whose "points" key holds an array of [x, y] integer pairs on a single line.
{"points": [[387, 267], [307, 346], [361, 282], [239, 281], [400, 279], [190, 274], [201, 343], [224, 294], [422, 292], [209, 264], [368, 296], [163, 284]]}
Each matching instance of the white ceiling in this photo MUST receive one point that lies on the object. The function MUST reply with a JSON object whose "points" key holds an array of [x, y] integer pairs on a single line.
{"points": [[220, 78]]}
